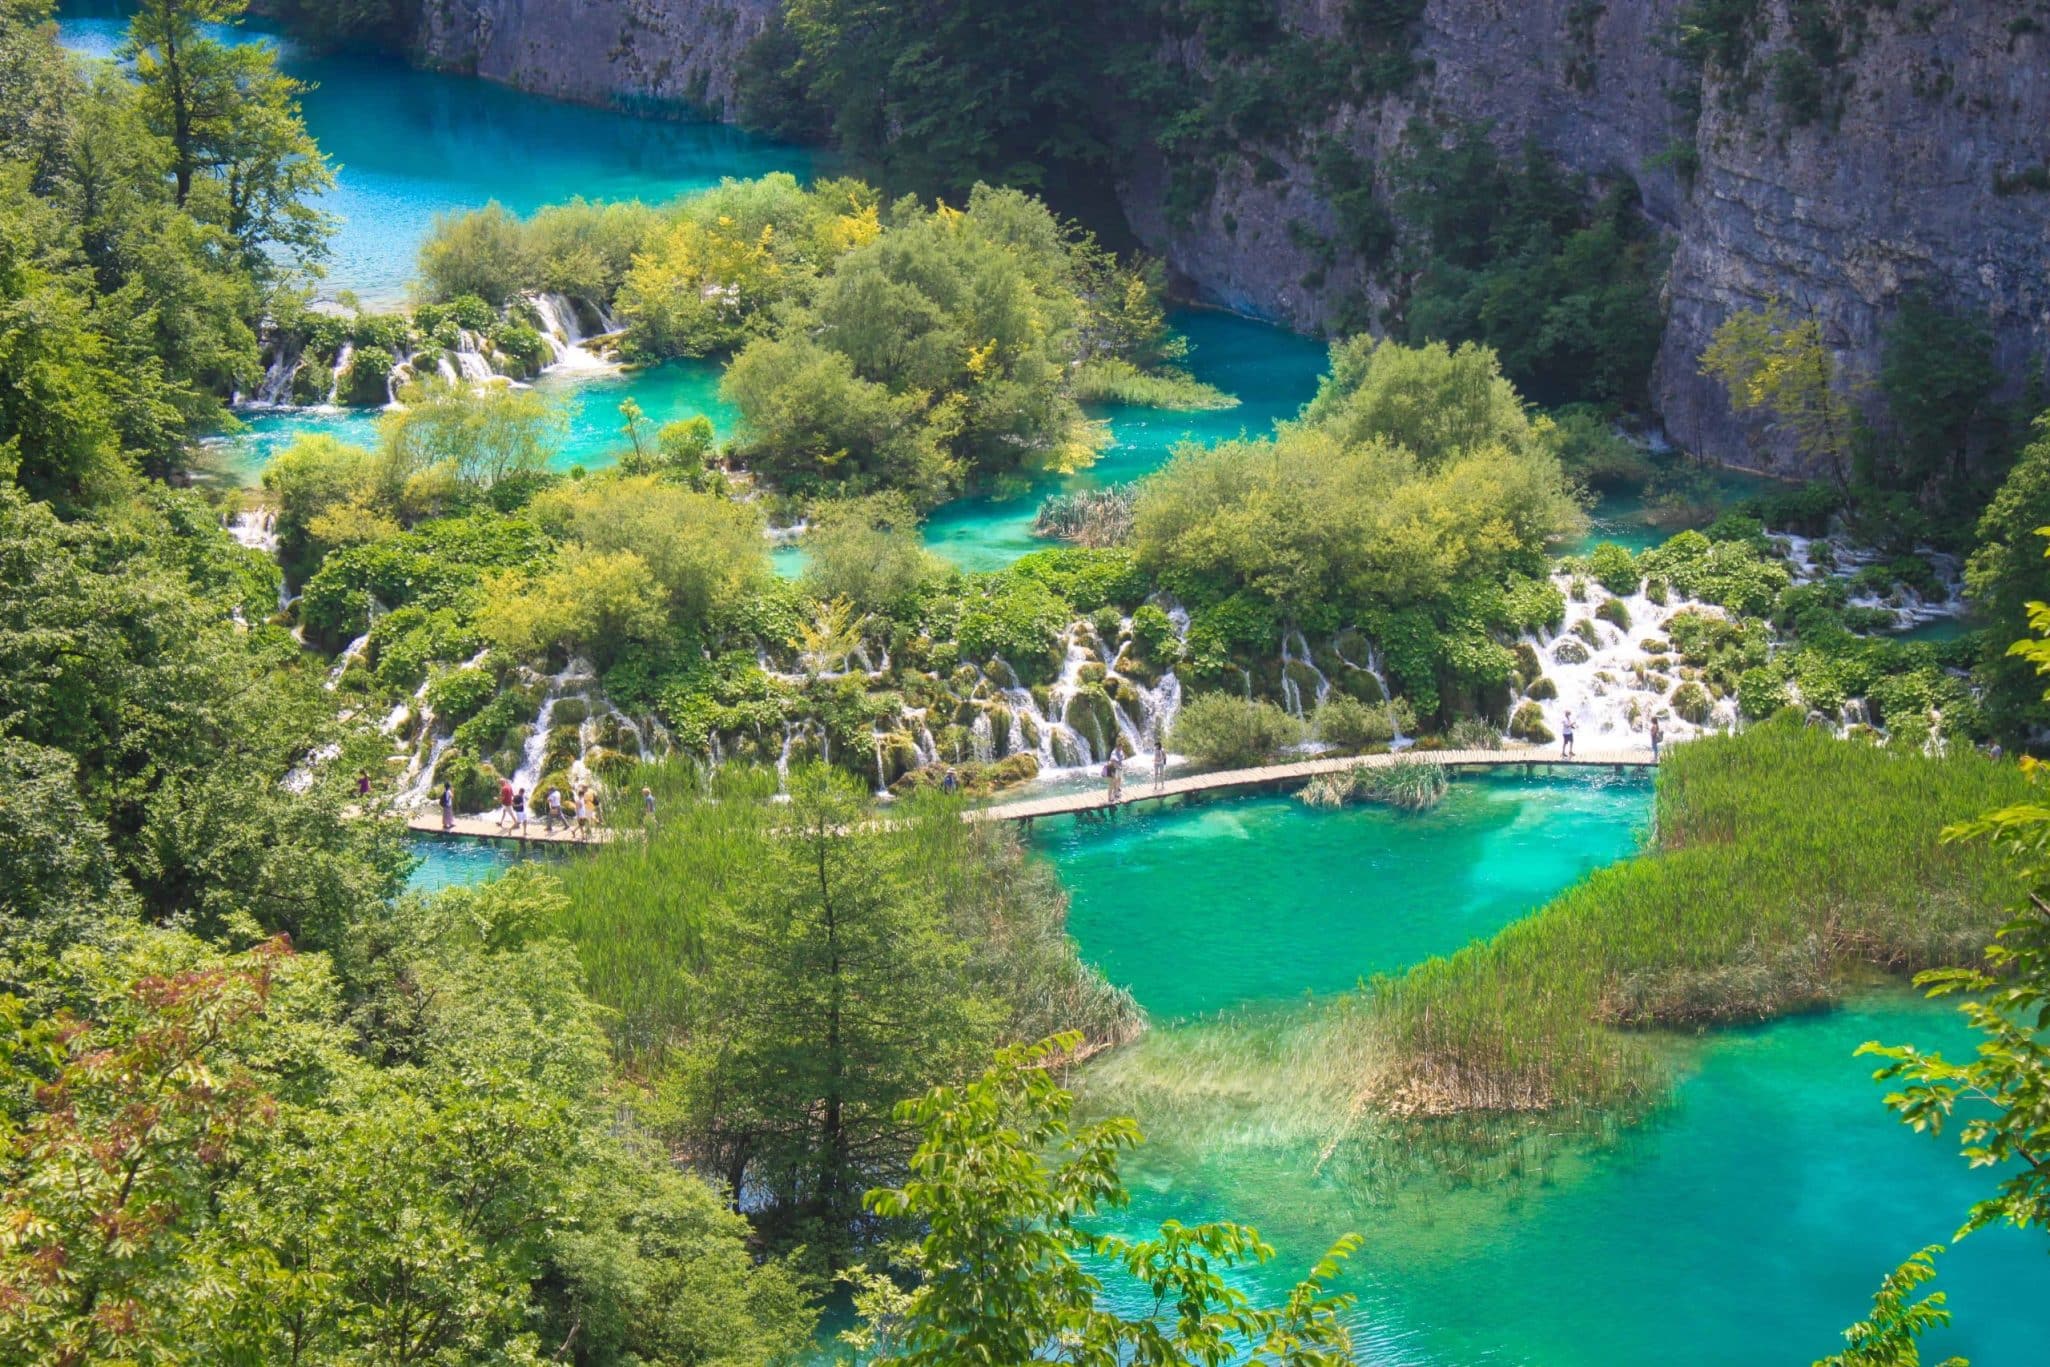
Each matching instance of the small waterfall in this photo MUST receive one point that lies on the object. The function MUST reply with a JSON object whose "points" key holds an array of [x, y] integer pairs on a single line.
{"points": [[983, 736], [470, 360], [783, 758], [276, 389], [255, 528], [1296, 651], [334, 384], [419, 780], [350, 654], [564, 336], [882, 783]]}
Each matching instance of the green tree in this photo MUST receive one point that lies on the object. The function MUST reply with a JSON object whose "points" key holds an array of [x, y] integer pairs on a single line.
{"points": [[1773, 364], [867, 551], [2007, 572], [240, 154], [1005, 1184], [837, 990]]}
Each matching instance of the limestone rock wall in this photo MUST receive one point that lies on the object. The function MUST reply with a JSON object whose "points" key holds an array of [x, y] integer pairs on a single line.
{"points": [[1912, 180], [671, 56]]}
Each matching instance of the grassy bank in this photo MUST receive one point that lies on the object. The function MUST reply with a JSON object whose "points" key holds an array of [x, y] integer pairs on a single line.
{"points": [[1787, 863]]}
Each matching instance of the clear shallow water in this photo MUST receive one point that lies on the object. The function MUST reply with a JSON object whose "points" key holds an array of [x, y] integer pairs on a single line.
{"points": [[456, 863], [1250, 900], [1273, 373], [1749, 1222]]}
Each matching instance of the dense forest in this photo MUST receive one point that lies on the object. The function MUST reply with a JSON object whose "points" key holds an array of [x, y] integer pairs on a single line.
{"points": [[796, 1045]]}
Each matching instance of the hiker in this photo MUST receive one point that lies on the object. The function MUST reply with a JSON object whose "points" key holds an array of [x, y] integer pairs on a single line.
{"points": [[448, 807], [1159, 762], [948, 781], [362, 783], [520, 809], [1114, 776], [505, 811], [648, 804], [554, 811], [1657, 735], [1566, 737], [583, 812]]}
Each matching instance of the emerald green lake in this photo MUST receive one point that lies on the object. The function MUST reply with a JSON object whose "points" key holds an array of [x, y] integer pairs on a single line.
{"points": [[1273, 373], [1260, 900]]}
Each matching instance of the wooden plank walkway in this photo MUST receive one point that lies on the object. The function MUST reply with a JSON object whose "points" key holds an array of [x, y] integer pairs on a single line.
{"points": [[1138, 788], [1139, 782], [486, 827]]}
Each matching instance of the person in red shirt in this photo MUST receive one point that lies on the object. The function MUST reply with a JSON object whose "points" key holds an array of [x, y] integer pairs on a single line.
{"points": [[505, 807]]}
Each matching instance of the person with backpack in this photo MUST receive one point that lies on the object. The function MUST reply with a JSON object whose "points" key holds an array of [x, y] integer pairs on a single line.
{"points": [[1114, 776], [505, 807], [555, 816]]}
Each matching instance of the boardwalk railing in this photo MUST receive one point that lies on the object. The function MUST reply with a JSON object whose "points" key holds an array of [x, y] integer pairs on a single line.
{"points": [[1138, 787]]}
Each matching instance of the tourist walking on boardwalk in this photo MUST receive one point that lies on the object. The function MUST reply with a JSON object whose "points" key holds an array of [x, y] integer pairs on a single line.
{"points": [[362, 783], [505, 796], [586, 812], [554, 811], [1114, 775], [1657, 735], [1566, 737], [448, 807], [1159, 763], [520, 809]]}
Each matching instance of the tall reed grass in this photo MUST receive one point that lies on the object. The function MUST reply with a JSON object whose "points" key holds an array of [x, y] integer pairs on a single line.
{"points": [[1786, 860]]}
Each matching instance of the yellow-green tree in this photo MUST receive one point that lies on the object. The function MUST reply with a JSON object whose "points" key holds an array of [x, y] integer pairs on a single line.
{"points": [[1774, 364]]}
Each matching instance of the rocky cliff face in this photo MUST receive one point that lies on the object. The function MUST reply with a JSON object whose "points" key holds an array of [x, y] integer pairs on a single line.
{"points": [[650, 55], [1918, 173], [1927, 163]]}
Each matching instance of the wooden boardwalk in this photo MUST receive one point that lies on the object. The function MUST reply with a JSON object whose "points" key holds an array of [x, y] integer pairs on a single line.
{"points": [[1139, 787], [1139, 779], [486, 827]]}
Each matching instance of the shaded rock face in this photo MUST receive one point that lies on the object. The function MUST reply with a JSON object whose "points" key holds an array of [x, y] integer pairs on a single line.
{"points": [[649, 55], [1940, 105], [1911, 179]]}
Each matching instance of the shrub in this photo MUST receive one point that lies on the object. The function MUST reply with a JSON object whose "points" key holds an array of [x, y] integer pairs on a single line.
{"points": [[1760, 693], [368, 381], [459, 694], [1154, 635], [1473, 733], [1692, 703], [1614, 568], [1413, 785], [1528, 723], [1351, 724], [1017, 619], [1232, 732]]}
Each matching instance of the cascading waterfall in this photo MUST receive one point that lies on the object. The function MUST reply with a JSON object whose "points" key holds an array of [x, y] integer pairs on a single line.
{"points": [[334, 384], [470, 360], [276, 389], [1296, 651], [564, 336], [350, 654]]}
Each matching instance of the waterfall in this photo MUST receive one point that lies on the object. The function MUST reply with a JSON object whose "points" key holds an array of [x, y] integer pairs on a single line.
{"points": [[276, 389], [334, 384], [983, 736], [882, 783], [783, 758], [470, 359], [350, 654], [1296, 651], [564, 336], [256, 529]]}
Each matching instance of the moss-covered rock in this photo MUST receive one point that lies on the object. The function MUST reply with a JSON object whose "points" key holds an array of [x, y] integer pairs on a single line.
{"points": [[1528, 666], [1541, 689], [1527, 723], [1692, 703], [1570, 650]]}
